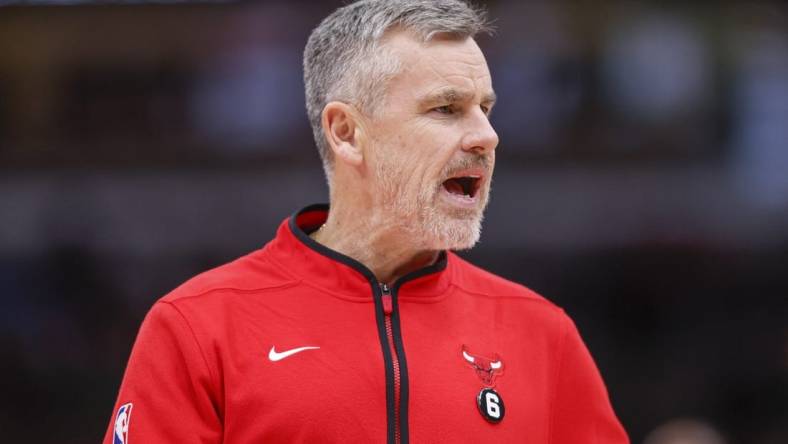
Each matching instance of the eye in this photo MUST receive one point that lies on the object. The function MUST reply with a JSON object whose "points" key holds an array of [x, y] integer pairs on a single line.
{"points": [[446, 109], [485, 109]]}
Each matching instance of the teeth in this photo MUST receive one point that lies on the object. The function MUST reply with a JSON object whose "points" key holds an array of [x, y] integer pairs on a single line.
{"points": [[471, 176]]}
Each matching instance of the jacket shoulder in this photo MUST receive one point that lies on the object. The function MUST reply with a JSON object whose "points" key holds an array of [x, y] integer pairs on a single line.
{"points": [[474, 279], [249, 273]]}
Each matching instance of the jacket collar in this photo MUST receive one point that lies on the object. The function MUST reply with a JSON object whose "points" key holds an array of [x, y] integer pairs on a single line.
{"points": [[343, 276]]}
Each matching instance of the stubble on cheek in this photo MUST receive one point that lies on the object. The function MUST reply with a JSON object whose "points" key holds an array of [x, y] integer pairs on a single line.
{"points": [[410, 199]]}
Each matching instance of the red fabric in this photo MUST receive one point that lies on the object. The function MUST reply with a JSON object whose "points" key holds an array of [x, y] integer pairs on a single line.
{"points": [[199, 371]]}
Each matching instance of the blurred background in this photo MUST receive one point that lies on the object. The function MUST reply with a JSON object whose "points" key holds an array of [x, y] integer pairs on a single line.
{"points": [[642, 184]]}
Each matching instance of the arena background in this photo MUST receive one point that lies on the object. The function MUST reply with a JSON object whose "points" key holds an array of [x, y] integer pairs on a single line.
{"points": [[642, 184]]}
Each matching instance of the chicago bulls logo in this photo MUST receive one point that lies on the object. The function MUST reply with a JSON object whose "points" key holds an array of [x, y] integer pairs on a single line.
{"points": [[489, 401], [486, 368]]}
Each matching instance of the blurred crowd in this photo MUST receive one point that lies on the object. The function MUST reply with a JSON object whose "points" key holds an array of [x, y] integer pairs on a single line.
{"points": [[641, 184]]}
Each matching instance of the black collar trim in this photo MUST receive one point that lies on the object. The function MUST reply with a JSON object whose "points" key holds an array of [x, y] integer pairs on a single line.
{"points": [[303, 236]]}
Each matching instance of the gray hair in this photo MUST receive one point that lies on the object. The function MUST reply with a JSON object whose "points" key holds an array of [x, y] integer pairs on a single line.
{"points": [[343, 60]]}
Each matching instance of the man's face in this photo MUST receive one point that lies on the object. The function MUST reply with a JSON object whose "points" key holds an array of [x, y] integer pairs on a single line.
{"points": [[432, 145]]}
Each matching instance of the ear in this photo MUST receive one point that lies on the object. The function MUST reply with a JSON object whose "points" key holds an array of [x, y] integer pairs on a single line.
{"points": [[344, 132]]}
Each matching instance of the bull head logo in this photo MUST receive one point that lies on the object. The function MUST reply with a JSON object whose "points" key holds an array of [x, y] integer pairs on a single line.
{"points": [[486, 368]]}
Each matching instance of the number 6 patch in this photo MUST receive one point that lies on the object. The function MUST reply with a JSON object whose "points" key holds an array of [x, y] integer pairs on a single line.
{"points": [[491, 405]]}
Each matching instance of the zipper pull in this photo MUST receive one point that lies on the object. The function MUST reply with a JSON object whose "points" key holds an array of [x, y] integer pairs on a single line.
{"points": [[388, 306]]}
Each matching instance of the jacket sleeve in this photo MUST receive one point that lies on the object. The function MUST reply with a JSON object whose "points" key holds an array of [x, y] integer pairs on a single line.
{"points": [[581, 412], [167, 394]]}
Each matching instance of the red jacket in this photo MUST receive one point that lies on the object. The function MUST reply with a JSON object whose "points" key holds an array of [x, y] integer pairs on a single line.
{"points": [[297, 343]]}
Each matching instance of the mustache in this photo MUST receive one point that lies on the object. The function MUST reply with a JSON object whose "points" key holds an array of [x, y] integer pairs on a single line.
{"points": [[471, 161]]}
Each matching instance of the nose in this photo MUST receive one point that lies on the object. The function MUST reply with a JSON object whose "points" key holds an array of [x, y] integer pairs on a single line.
{"points": [[480, 137]]}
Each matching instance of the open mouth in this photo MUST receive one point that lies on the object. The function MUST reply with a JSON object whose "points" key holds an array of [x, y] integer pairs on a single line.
{"points": [[464, 186]]}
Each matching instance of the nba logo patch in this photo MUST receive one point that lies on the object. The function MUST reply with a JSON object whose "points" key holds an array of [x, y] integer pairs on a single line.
{"points": [[122, 424]]}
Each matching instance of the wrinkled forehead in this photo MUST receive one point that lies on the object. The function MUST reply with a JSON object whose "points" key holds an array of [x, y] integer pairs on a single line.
{"points": [[444, 61]]}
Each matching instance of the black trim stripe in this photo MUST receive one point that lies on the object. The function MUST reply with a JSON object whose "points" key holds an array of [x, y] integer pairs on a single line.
{"points": [[380, 318], [438, 266], [404, 394], [322, 249], [378, 300]]}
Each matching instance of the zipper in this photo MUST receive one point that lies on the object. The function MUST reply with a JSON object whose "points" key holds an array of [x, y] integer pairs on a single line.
{"points": [[388, 310], [388, 323]]}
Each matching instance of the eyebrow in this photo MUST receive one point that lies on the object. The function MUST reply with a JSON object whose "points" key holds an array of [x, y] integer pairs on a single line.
{"points": [[453, 95]]}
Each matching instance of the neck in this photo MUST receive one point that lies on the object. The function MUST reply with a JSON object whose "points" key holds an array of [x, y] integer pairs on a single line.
{"points": [[384, 248]]}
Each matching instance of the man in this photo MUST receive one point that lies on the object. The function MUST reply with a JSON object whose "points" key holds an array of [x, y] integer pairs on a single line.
{"points": [[358, 324]]}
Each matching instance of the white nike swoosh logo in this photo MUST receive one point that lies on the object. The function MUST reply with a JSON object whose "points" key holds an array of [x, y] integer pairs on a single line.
{"points": [[274, 356]]}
